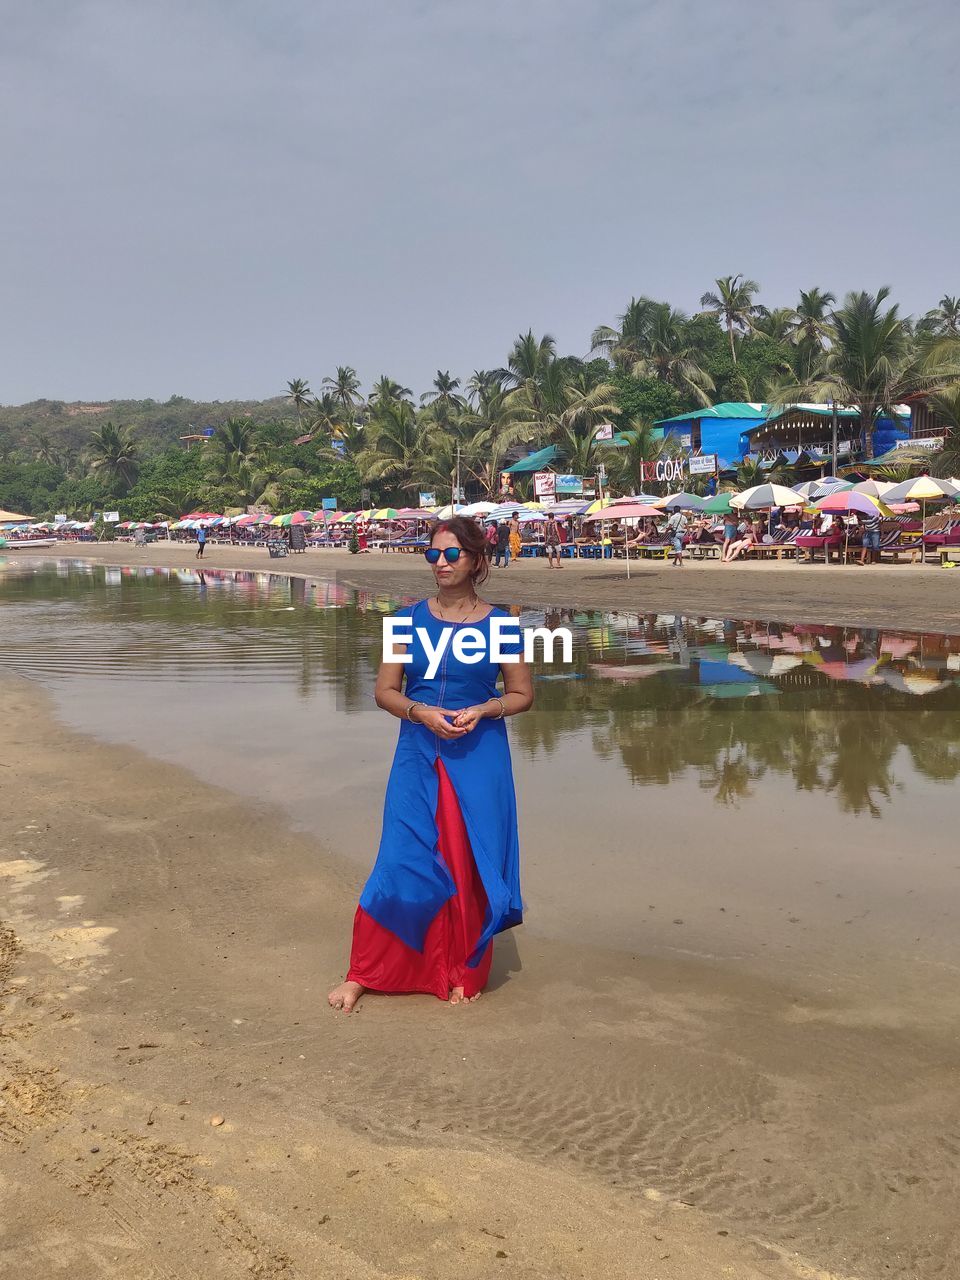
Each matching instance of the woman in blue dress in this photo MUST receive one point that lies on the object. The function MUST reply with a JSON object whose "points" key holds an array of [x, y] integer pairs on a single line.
{"points": [[447, 874]]}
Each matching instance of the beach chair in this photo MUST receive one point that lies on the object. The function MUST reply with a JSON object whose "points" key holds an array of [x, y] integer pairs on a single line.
{"points": [[901, 539], [784, 544]]}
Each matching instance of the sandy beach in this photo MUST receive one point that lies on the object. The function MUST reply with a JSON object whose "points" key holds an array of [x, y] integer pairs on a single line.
{"points": [[890, 595], [165, 950]]}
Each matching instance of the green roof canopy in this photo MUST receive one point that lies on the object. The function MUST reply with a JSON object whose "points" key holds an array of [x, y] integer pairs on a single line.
{"points": [[535, 461], [726, 409]]}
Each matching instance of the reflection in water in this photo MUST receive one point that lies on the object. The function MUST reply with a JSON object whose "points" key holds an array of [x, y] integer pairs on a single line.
{"points": [[852, 713]]}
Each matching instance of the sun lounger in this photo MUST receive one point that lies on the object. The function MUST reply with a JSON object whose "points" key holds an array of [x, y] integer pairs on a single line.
{"points": [[784, 544]]}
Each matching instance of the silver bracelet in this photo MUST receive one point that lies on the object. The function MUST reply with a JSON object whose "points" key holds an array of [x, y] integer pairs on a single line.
{"points": [[502, 709], [410, 708]]}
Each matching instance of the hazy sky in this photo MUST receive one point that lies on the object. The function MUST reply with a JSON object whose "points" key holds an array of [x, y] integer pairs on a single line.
{"points": [[209, 197]]}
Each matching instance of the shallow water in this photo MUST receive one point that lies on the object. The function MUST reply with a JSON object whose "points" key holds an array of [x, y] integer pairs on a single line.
{"points": [[782, 798]]}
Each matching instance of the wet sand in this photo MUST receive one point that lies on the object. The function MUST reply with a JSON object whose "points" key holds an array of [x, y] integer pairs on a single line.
{"points": [[164, 955], [917, 597]]}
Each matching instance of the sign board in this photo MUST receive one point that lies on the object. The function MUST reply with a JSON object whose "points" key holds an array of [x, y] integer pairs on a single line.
{"points": [[568, 484], [604, 431], [921, 442], [60, 518], [328, 504], [704, 464], [544, 484], [338, 446], [506, 482], [589, 487], [668, 470], [428, 499], [298, 537], [686, 440], [111, 517]]}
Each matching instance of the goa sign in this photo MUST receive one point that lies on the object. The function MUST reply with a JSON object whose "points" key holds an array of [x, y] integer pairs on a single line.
{"points": [[667, 469]]}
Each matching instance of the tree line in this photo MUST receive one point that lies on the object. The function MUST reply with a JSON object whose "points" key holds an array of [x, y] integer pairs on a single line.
{"points": [[383, 446]]}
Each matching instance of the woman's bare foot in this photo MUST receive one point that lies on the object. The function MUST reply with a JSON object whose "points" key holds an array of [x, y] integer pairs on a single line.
{"points": [[457, 996], [345, 996]]}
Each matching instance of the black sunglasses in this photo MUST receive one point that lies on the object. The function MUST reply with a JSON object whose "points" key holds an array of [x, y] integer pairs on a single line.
{"points": [[451, 554]]}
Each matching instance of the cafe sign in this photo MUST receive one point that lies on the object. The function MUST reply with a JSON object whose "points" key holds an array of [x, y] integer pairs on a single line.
{"points": [[544, 484], [703, 464]]}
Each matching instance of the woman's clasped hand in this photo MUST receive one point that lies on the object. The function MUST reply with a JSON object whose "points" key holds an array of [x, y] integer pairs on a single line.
{"points": [[446, 723]]}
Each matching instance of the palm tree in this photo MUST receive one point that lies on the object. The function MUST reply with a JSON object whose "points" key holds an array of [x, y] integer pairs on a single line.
{"points": [[113, 452], [640, 442], [811, 328], [529, 360], [397, 446], [872, 362], [45, 450], [483, 381], [778, 324], [812, 323], [385, 389], [298, 393], [233, 445], [345, 388], [732, 305], [625, 345], [669, 352], [325, 414], [444, 392], [945, 319]]}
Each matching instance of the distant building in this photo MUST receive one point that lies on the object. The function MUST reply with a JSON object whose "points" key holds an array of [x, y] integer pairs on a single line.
{"points": [[735, 430]]}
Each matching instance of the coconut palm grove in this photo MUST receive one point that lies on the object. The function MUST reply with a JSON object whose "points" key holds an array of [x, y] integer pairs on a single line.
{"points": [[661, 378]]}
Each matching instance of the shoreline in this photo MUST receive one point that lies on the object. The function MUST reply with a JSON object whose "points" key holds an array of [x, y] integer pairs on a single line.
{"points": [[167, 952], [920, 598]]}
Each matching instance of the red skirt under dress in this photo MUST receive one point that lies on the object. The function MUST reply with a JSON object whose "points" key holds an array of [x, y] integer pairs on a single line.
{"points": [[380, 961]]}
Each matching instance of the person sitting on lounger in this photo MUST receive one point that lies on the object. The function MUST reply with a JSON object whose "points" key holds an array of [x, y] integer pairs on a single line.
{"points": [[749, 538]]}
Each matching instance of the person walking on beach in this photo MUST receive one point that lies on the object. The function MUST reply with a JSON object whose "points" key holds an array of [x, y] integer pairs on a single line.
{"points": [[447, 874], [676, 528], [551, 540], [490, 540], [201, 542], [503, 545], [515, 541]]}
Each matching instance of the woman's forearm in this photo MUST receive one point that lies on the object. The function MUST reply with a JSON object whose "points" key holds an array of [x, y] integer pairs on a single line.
{"points": [[395, 702], [513, 703]]}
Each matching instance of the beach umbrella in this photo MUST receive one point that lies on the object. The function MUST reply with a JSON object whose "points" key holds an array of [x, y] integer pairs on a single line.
{"points": [[627, 511], [11, 517], [681, 502], [763, 496], [922, 489], [598, 504], [385, 513], [849, 502], [200, 515], [718, 505], [478, 508], [875, 488]]}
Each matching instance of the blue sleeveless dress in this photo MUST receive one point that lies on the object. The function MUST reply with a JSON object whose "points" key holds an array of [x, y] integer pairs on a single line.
{"points": [[410, 883]]}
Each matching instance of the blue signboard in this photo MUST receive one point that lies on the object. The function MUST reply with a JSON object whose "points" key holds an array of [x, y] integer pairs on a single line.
{"points": [[329, 504]]}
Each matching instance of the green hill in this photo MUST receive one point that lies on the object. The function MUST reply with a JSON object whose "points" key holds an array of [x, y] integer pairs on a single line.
{"points": [[66, 427]]}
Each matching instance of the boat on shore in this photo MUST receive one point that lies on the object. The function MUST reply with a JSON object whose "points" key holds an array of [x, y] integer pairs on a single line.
{"points": [[26, 544]]}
